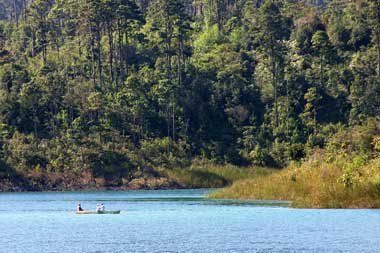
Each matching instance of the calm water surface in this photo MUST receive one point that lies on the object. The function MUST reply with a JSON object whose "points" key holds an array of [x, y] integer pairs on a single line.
{"points": [[177, 221]]}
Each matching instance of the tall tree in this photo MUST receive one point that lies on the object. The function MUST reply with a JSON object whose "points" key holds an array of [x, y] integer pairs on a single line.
{"points": [[271, 31], [91, 20], [128, 21], [374, 9], [170, 24], [38, 12], [321, 45]]}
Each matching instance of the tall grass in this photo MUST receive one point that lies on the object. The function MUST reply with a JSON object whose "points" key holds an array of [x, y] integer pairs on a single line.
{"points": [[205, 174], [315, 184]]}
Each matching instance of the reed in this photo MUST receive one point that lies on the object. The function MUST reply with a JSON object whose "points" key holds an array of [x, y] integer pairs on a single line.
{"points": [[337, 184], [205, 174]]}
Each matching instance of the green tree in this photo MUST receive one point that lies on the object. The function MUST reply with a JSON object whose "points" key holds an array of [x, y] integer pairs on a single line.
{"points": [[309, 115], [374, 7], [38, 12], [321, 44], [271, 31], [169, 26]]}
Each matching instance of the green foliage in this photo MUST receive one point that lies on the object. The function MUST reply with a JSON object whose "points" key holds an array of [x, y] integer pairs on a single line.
{"points": [[343, 175], [204, 174], [109, 89], [258, 156], [161, 152]]}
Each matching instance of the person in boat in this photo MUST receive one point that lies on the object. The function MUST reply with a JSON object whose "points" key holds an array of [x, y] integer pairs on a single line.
{"points": [[97, 207], [102, 207], [79, 208]]}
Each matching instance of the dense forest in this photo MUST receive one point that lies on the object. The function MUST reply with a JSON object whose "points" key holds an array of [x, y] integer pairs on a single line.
{"points": [[113, 90]]}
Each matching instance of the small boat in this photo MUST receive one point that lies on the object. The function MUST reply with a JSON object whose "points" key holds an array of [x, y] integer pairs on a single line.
{"points": [[98, 212]]}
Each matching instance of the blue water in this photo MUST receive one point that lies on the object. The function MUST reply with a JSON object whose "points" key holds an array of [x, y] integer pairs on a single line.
{"points": [[178, 221]]}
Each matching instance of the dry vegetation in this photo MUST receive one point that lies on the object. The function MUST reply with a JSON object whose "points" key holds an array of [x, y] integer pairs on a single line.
{"points": [[346, 174]]}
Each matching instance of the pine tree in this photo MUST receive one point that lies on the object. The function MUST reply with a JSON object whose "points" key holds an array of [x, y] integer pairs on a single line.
{"points": [[271, 31]]}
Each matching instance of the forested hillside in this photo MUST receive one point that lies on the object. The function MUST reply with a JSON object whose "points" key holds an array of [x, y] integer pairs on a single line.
{"points": [[112, 90]]}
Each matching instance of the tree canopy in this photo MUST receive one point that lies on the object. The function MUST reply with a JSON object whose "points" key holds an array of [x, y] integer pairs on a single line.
{"points": [[108, 87]]}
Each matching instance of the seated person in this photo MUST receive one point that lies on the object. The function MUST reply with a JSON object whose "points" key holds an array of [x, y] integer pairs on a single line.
{"points": [[102, 208], [79, 208]]}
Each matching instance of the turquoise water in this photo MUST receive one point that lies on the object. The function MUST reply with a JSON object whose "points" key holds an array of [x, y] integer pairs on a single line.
{"points": [[178, 221]]}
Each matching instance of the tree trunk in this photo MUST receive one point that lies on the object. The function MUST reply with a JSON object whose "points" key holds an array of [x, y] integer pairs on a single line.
{"points": [[173, 118], [42, 28], [168, 52], [120, 70], [15, 12], [99, 52], [33, 43], [321, 70], [219, 16], [275, 92], [110, 44], [179, 63], [79, 47], [378, 55], [92, 42], [59, 38], [315, 120], [35, 119], [58, 51], [168, 119], [274, 83], [24, 10], [378, 37], [287, 111], [126, 54], [44, 46]]}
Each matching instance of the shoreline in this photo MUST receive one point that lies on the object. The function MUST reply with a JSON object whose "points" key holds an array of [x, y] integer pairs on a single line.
{"points": [[89, 188], [195, 177]]}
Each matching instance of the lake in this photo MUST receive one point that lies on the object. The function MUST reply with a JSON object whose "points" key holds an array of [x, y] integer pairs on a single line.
{"points": [[178, 221]]}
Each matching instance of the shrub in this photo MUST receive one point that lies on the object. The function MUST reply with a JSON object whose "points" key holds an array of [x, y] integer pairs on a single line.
{"points": [[163, 152]]}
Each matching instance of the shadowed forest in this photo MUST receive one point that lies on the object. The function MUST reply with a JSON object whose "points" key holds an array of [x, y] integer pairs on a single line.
{"points": [[137, 93]]}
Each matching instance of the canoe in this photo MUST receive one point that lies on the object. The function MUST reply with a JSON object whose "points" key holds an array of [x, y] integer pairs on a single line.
{"points": [[95, 212]]}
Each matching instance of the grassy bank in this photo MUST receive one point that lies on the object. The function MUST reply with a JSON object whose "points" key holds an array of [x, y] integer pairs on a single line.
{"points": [[315, 184], [200, 174], [345, 173], [204, 174]]}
